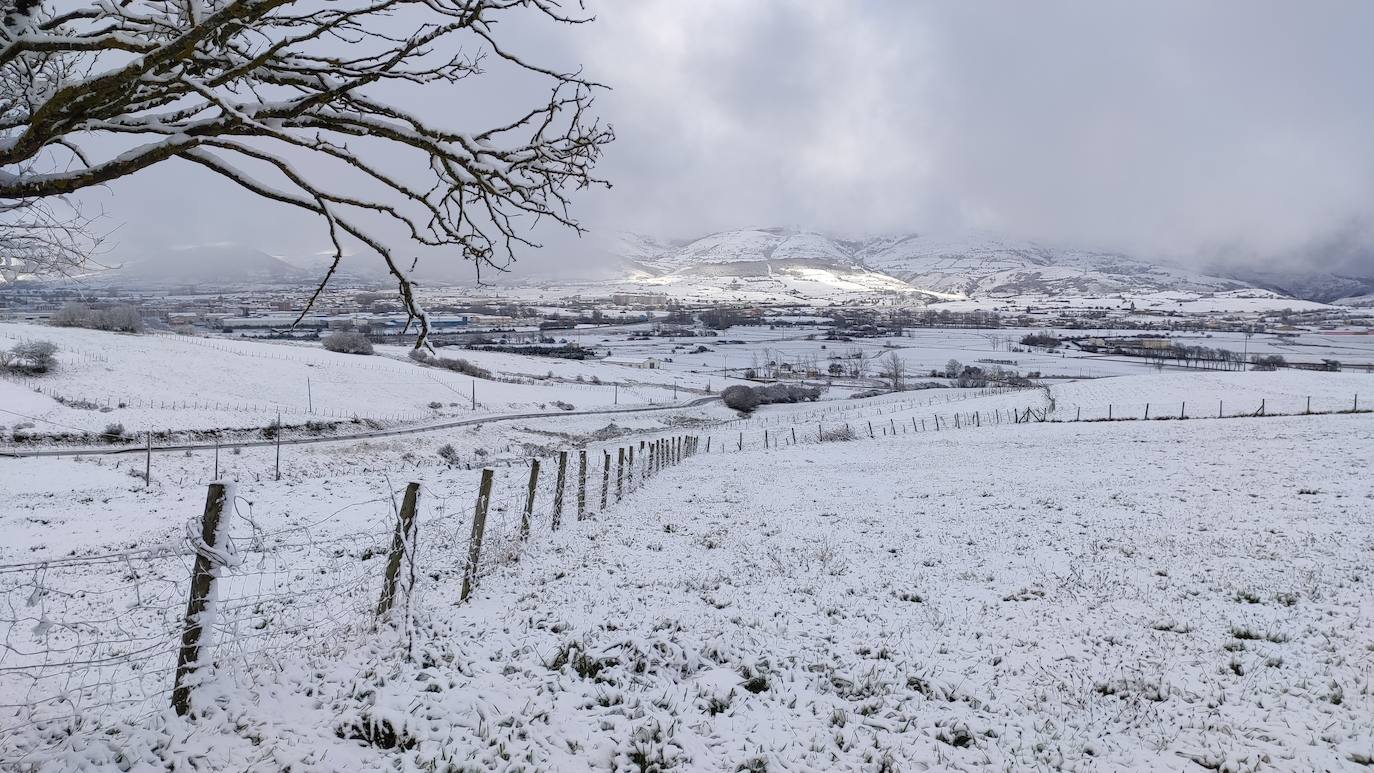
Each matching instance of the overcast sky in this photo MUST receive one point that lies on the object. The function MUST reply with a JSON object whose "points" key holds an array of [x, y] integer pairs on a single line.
{"points": [[1194, 131]]}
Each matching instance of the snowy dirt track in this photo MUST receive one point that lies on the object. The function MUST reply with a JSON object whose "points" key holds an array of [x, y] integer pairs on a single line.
{"points": [[1140, 596]]}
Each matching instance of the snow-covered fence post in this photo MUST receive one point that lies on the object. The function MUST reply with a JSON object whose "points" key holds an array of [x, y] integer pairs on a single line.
{"points": [[559, 488], [400, 545], [199, 619], [529, 500], [479, 526], [278, 471], [620, 474], [794, 436], [630, 460], [581, 484], [148, 462], [605, 477]]}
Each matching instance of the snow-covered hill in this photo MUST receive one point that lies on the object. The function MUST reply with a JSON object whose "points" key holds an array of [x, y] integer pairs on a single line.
{"points": [[966, 267]]}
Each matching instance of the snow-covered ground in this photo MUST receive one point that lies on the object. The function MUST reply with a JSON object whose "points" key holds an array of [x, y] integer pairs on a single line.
{"points": [[1093, 596], [159, 382]]}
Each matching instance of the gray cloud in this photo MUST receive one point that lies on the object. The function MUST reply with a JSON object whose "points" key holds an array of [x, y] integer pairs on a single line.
{"points": [[1235, 132]]}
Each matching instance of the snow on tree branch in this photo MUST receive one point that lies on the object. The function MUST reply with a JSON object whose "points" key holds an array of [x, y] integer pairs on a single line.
{"points": [[252, 90]]}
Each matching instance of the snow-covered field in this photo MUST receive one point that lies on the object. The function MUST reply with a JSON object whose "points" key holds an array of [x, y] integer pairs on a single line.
{"points": [[158, 382], [1039, 594], [1094, 596]]}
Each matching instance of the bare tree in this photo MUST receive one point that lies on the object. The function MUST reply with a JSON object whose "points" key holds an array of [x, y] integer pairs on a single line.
{"points": [[892, 369], [247, 88]]}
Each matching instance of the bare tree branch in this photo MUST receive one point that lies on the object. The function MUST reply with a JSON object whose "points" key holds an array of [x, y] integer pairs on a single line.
{"points": [[237, 85]]}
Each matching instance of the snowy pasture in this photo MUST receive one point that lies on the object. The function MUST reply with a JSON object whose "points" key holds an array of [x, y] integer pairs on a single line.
{"points": [[159, 382], [1091, 596]]}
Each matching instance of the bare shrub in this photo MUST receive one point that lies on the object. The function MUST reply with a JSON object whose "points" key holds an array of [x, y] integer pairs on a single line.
{"points": [[347, 342], [449, 454], [838, 433], [740, 398], [122, 318], [30, 357]]}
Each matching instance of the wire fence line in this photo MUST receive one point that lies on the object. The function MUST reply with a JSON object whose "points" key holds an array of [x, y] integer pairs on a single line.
{"points": [[90, 641], [833, 423]]}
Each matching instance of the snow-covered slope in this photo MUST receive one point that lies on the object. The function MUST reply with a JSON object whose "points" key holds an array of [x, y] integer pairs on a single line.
{"points": [[983, 266], [965, 267]]}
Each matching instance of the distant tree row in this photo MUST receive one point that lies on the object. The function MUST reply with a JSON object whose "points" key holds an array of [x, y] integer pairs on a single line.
{"points": [[747, 398]]}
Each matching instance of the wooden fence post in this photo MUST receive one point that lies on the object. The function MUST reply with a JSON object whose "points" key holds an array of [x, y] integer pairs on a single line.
{"points": [[279, 428], [479, 527], [529, 499], [581, 484], [1147, 410], [630, 476], [620, 474], [148, 463], [401, 541], [1183, 410], [708, 444], [605, 477], [870, 430], [560, 486], [194, 637]]}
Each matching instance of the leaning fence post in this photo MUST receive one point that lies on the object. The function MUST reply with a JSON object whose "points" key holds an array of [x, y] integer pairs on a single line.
{"points": [[401, 541], [529, 499], [559, 487], [581, 484], [194, 633], [708, 444], [479, 526]]}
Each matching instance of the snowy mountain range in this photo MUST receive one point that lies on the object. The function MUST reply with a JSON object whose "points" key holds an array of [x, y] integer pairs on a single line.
{"points": [[965, 268]]}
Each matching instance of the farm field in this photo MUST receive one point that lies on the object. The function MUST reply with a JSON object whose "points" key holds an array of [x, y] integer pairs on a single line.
{"points": [[1092, 596], [188, 383]]}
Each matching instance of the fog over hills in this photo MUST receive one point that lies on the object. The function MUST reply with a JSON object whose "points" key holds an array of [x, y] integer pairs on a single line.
{"points": [[936, 267], [968, 266]]}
